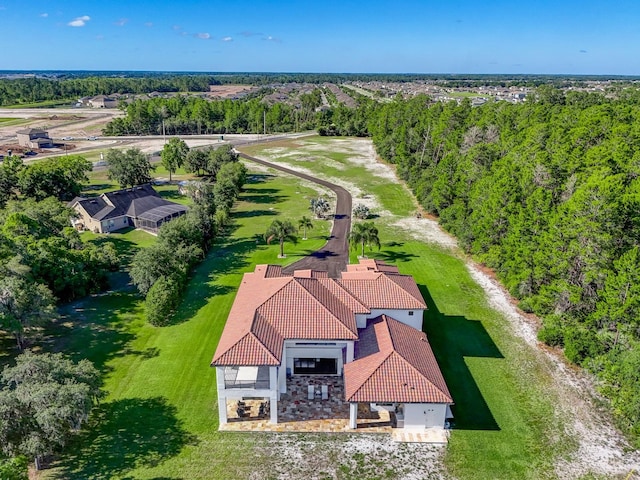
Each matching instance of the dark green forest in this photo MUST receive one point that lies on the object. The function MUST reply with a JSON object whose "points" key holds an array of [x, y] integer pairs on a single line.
{"points": [[547, 194]]}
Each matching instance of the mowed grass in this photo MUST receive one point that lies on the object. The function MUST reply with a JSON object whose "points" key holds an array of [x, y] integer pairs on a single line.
{"points": [[159, 419]]}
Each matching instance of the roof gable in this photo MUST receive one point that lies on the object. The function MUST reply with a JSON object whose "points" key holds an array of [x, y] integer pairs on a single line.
{"points": [[394, 363], [383, 290]]}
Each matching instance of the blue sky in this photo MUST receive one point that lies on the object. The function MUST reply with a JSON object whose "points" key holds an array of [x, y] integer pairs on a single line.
{"points": [[457, 36]]}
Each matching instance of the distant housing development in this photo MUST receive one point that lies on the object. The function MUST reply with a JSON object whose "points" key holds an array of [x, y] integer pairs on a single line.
{"points": [[34, 138], [358, 338], [139, 207]]}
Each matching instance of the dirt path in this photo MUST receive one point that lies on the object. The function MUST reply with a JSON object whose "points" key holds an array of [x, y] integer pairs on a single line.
{"points": [[334, 256]]}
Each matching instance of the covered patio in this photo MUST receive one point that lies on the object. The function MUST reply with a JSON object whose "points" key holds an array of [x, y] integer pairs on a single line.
{"points": [[298, 413]]}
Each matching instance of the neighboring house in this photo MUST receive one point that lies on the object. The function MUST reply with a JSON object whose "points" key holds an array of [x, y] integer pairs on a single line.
{"points": [[365, 327], [102, 101], [34, 138], [139, 207]]}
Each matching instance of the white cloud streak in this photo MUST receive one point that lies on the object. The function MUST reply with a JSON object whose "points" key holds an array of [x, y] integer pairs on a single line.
{"points": [[80, 21]]}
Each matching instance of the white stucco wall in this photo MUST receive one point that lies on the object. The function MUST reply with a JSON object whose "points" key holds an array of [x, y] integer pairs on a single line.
{"points": [[361, 320], [418, 416], [403, 316]]}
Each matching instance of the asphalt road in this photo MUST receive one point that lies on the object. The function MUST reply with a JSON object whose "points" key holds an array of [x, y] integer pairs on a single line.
{"points": [[334, 256]]}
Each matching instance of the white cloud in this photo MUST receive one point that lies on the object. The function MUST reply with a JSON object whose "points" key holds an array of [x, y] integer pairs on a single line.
{"points": [[227, 39], [122, 22], [177, 27], [269, 38], [80, 21], [148, 24], [44, 15], [203, 36]]}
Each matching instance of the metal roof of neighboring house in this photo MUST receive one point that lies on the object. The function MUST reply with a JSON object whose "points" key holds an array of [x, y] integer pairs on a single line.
{"points": [[137, 202], [394, 363], [30, 131]]}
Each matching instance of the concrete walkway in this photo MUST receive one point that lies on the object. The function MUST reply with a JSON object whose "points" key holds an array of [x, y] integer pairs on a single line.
{"points": [[334, 256]]}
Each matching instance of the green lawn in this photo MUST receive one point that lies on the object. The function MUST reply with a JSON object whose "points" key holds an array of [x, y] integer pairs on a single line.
{"points": [[159, 420], [14, 122], [44, 104]]}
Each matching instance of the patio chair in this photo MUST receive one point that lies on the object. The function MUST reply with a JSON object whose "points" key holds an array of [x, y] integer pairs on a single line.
{"points": [[325, 392], [311, 392]]}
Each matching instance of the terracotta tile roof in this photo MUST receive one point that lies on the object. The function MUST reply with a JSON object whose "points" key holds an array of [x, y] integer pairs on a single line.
{"points": [[372, 264], [269, 309], [304, 309], [394, 363], [349, 300], [383, 290]]}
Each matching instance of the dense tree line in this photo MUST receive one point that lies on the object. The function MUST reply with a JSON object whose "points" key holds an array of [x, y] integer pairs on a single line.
{"points": [[31, 90], [182, 115], [547, 194], [160, 271], [42, 258]]}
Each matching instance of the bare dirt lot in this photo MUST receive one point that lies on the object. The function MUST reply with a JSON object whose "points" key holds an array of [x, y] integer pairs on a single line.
{"points": [[227, 91]]}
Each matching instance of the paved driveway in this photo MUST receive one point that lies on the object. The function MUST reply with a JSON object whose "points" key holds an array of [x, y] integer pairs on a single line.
{"points": [[334, 256]]}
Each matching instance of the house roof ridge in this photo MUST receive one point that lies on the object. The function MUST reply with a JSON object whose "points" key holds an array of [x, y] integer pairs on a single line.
{"points": [[370, 374], [323, 304], [422, 374]]}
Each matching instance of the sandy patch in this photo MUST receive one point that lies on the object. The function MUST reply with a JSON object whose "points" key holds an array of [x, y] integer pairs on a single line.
{"points": [[359, 455]]}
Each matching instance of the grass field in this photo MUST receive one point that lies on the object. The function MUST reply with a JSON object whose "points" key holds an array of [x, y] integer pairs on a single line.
{"points": [[13, 122], [159, 419], [44, 104]]}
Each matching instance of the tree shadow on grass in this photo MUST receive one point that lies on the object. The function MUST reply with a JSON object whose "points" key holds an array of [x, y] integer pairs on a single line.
{"points": [[263, 197], [254, 213], [226, 256], [255, 178], [124, 248], [126, 434], [395, 257], [171, 195], [95, 327], [453, 338]]}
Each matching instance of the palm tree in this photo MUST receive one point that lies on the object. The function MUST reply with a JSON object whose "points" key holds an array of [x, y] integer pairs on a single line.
{"points": [[319, 206], [282, 231], [364, 233], [304, 223]]}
